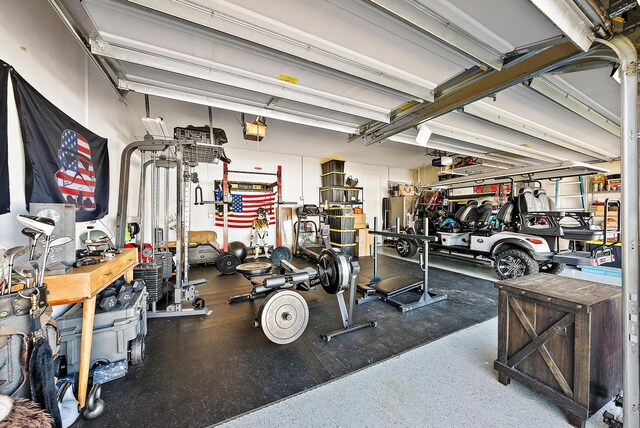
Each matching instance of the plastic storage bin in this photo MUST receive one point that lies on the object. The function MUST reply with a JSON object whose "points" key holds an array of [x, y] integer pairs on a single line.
{"points": [[332, 179], [334, 211], [332, 165], [352, 195], [342, 236], [112, 331], [342, 222], [348, 249], [332, 194]]}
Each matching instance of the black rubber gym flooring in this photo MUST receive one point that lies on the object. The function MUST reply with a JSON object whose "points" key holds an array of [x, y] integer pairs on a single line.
{"points": [[201, 371]]}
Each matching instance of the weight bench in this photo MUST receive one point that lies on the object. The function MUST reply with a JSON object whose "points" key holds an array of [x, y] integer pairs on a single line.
{"points": [[389, 288]]}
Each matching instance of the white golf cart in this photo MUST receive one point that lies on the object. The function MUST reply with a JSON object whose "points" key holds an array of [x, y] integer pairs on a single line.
{"points": [[527, 235]]}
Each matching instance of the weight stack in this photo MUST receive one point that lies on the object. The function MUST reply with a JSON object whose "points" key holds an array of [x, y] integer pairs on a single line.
{"points": [[152, 276], [165, 260]]}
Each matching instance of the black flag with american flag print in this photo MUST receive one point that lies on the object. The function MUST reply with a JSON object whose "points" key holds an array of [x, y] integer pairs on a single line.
{"points": [[4, 140], [65, 162]]}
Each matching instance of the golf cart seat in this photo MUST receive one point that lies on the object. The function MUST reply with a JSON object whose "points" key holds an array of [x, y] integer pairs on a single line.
{"points": [[506, 214], [483, 212], [465, 216], [581, 231], [533, 218]]}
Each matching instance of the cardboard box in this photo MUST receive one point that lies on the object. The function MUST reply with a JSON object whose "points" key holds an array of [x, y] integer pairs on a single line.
{"points": [[406, 190], [361, 221], [599, 211], [363, 240]]}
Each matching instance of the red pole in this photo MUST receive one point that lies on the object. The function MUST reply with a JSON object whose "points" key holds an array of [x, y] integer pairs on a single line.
{"points": [[278, 215], [225, 213]]}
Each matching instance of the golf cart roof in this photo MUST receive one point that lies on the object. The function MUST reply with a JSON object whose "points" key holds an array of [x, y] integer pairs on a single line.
{"points": [[523, 174]]}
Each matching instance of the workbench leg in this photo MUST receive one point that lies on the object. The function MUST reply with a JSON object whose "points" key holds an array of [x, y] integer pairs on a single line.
{"points": [[88, 313], [128, 276]]}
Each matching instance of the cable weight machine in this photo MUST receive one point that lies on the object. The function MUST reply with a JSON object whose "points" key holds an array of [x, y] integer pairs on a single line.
{"points": [[168, 154]]}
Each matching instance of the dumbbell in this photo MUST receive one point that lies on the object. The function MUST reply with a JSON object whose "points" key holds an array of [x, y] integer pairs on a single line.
{"points": [[108, 299], [124, 293], [138, 285]]}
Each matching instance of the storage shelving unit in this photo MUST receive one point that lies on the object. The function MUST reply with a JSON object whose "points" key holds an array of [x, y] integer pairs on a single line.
{"points": [[334, 193]]}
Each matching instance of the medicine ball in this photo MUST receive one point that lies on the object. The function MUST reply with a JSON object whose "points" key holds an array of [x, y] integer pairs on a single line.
{"points": [[239, 249]]}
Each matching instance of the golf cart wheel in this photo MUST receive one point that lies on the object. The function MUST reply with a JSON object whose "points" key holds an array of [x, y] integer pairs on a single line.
{"points": [[514, 263], [552, 268], [406, 247]]}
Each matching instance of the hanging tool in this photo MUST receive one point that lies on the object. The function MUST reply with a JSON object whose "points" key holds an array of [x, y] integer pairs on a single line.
{"points": [[199, 198]]}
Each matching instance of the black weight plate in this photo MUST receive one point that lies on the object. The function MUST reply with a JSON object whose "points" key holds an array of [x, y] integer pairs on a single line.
{"points": [[281, 253], [227, 263], [334, 270], [254, 268]]}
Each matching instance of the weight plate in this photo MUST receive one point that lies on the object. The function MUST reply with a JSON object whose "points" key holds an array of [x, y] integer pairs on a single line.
{"points": [[334, 270], [281, 253], [227, 263], [254, 268], [284, 316]]}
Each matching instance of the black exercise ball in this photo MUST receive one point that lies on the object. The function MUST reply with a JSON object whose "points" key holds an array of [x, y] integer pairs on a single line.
{"points": [[239, 249]]}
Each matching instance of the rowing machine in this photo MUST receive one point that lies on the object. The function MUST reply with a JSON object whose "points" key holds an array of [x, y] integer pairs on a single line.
{"points": [[284, 314]]}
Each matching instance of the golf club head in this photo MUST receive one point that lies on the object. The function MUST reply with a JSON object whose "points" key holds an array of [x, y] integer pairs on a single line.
{"points": [[42, 224], [14, 252], [32, 234], [26, 270], [63, 240]]}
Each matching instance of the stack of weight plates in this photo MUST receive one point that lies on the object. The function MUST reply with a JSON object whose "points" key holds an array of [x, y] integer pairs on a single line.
{"points": [[165, 260], [152, 276]]}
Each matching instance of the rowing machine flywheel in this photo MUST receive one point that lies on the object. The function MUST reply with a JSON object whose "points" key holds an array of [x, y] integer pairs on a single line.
{"points": [[334, 270]]}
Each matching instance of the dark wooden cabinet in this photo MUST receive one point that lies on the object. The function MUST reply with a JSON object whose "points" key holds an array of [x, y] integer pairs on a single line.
{"points": [[561, 337]]}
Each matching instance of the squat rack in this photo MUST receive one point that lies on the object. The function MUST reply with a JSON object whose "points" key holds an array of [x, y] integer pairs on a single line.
{"points": [[243, 185]]}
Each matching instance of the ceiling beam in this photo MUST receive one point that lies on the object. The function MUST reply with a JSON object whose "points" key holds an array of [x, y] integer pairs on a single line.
{"points": [[491, 82], [491, 142], [557, 95], [190, 95], [569, 19], [436, 145], [498, 116], [416, 15], [188, 65], [227, 17]]}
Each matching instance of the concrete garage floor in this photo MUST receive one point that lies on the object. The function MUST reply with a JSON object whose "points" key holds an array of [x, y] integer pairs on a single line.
{"points": [[446, 383]]}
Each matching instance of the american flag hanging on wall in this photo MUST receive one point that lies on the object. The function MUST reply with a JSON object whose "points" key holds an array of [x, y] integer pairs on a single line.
{"points": [[244, 208], [76, 179], [64, 161]]}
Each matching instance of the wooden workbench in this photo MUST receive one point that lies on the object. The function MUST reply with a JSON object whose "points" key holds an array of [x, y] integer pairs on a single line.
{"points": [[82, 285]]}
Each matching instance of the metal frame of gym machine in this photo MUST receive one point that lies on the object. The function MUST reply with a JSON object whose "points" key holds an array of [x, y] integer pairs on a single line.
{"points": [[375, 289], [187, 154]]}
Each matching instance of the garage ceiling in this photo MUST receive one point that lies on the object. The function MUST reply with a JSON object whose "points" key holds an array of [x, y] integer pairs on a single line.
{"points": [[363, 66]]}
